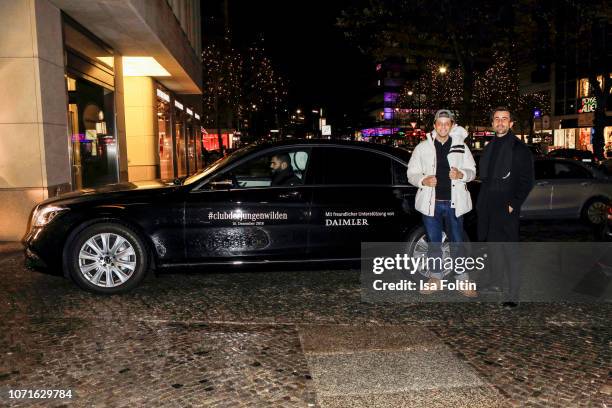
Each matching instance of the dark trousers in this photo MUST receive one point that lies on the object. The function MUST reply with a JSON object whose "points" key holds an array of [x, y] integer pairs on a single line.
{"points": [[501, 229], [504, 259]]}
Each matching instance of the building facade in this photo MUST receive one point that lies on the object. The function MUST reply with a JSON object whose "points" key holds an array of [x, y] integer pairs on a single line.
{"points": [[94, 93]]}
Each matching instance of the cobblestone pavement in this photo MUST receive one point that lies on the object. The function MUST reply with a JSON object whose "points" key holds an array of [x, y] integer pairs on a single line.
{"points": [[244, 338]]}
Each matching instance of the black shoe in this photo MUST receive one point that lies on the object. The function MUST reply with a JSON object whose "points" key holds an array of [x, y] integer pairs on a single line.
{"points": [[510, 305]]}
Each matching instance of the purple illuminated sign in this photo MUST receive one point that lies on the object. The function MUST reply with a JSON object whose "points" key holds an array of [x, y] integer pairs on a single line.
{"points": [[390, 97], [369, 132]]}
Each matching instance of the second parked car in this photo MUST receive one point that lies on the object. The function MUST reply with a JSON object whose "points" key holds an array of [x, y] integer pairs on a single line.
{"points": [[567, 189]]}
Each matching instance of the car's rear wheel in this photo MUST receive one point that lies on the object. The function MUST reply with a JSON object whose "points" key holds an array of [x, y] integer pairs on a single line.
{"points": [[107, 258], [594, 211], [417, 245]]}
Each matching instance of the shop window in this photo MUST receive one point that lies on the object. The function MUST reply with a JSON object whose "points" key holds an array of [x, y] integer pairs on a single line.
{"points": [[191, 145], [584, 90], [164, 129], [181, 141]]}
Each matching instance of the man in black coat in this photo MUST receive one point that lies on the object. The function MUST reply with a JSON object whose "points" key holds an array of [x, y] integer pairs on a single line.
{"points": [[507, 175], [282, 172]]}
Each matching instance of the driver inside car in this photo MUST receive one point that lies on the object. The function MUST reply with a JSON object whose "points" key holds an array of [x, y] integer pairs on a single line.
{"points": [[282, 172]]}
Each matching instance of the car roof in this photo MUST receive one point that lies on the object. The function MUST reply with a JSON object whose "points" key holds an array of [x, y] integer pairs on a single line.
{"points": [[569, 150], [401, 154]]}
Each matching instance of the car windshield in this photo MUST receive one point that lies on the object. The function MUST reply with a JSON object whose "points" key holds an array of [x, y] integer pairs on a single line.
{"points": [[221, 162]]}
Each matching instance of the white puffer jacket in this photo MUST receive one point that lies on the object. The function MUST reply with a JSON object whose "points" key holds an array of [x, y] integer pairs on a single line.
{"points": [[423, 164]]}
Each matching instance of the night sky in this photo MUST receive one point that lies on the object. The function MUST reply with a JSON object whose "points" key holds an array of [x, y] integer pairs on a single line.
{"points": [[322, 68]]}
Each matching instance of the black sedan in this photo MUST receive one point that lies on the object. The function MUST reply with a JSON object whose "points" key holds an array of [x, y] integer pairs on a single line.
{"points": [[283, 202]]}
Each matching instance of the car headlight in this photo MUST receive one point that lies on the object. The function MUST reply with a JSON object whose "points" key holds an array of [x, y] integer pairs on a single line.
{"points": [[43, 215]]}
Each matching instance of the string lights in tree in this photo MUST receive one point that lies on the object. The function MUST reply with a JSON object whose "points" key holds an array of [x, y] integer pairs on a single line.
{"points": [[438, 87], [497, 86], [222, 77], [264, 88]]}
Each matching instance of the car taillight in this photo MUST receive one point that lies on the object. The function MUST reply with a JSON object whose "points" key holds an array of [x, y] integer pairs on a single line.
{"points": [[609, 212]]}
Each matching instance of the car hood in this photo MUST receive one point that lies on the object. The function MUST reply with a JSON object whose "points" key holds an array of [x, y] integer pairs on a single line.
{"points": [[133, 187]]}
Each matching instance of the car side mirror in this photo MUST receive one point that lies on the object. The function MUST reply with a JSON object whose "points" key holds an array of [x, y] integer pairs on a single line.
{"points": [[221, 184]]}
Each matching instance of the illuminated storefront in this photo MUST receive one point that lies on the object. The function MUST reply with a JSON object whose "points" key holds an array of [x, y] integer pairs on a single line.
{"points": [[574, 129], [210, 139], [179, 137], [164, 131]]}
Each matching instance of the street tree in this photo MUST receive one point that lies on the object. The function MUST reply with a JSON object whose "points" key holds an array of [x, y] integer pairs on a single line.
{"points": [[222, 80], [264, 89], [434, 90]]}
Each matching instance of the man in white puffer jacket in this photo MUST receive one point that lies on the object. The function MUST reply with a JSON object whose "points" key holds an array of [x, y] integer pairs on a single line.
{"points": [[441, 166]]}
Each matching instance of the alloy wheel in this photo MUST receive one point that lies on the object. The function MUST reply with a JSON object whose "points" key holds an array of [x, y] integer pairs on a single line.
{"points": [[421, 248], [107, 260]]}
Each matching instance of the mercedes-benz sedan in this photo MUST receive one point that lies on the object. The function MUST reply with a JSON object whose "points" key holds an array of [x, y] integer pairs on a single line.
{"points": [[248, 207]]}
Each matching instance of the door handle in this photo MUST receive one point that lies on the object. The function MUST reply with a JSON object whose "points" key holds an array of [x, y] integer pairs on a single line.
{"points": [[291, 194]]}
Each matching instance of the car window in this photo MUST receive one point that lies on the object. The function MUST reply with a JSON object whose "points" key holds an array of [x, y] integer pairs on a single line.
{"points": [[567, 170], [400, 175], [352, 166], [544, 169], [279, 168], [221, 162]]}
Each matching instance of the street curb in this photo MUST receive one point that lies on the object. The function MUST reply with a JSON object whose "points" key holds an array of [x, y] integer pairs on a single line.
{"points": [[8, 248]]}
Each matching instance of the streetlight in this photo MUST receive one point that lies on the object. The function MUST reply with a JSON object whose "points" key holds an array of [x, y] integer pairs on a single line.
{"points": [[442, 69], [410, 93]]}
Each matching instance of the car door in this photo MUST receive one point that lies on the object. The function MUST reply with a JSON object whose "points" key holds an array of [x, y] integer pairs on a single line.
{"points": [[538, 202], [572, 186], [238, 215], [354, 201]]}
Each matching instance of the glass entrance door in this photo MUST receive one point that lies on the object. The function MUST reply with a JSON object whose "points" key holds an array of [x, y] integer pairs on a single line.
{"points": [[91, 111]]}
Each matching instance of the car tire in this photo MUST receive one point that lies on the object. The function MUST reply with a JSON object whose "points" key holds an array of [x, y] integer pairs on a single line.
{"points": [[594, 211], [107, 258], [416, 243]]}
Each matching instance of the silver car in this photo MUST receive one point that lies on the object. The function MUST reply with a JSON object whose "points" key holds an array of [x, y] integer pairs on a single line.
{"points": [[567, 189]]}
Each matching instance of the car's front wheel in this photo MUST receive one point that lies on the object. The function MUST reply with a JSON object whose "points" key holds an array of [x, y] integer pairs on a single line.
{"points": [[107, 258]]}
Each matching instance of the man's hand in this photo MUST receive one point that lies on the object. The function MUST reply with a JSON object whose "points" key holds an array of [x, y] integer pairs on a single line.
{"points": [[510, 209], [455, 174], [430, 181]]}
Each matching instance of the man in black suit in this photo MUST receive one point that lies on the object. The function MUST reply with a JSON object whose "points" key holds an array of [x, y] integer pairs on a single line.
{"points": [[506, 171]]}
